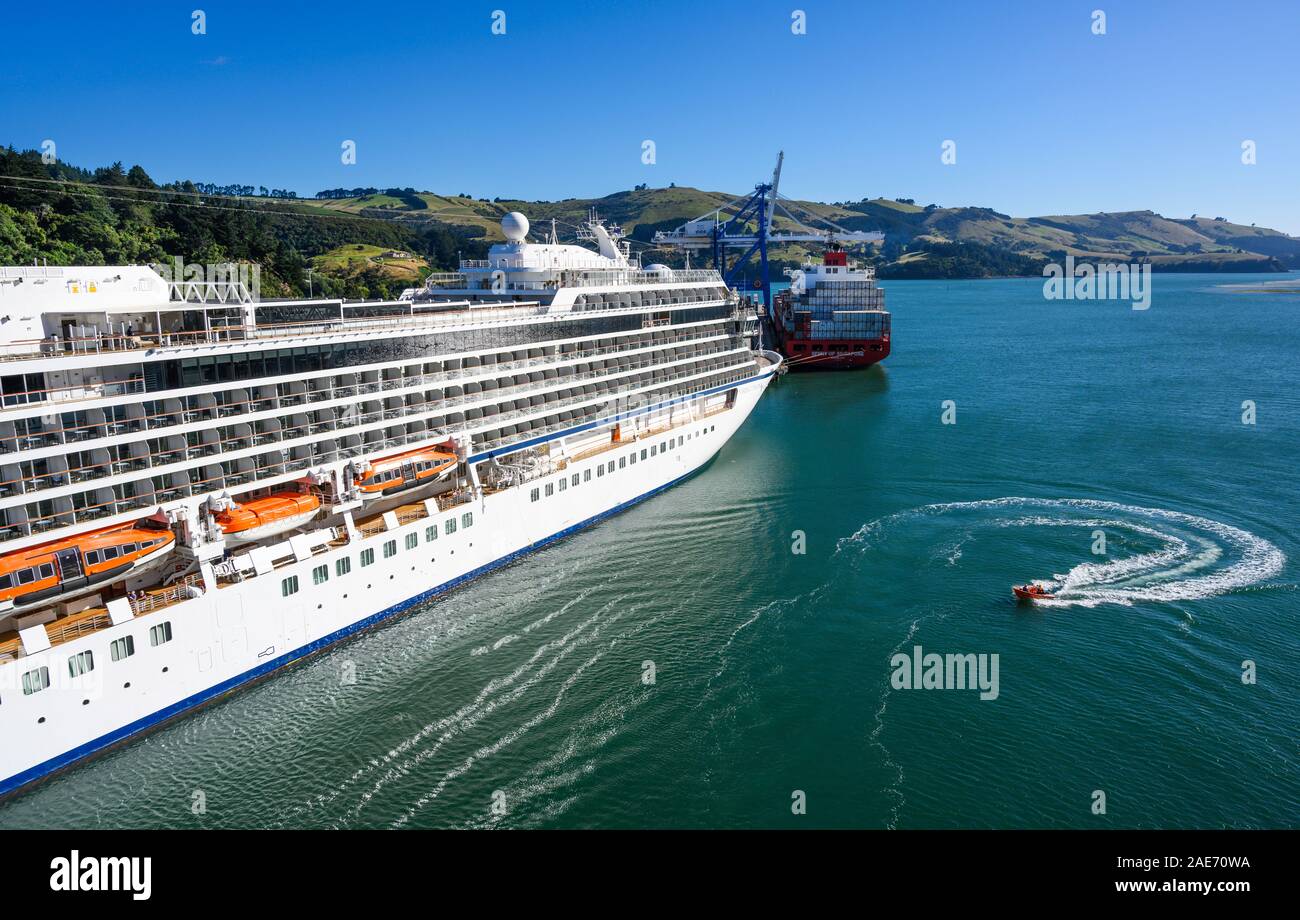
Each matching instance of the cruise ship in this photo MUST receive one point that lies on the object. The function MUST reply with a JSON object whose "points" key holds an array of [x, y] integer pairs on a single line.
{"points": [[198, 488], [833, 315]]}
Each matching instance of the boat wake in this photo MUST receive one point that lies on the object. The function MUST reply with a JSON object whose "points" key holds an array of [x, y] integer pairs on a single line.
{"points": [[1182, 557]]}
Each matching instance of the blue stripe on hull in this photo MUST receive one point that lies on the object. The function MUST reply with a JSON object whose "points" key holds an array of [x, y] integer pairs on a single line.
{"points": [[68, 758]]}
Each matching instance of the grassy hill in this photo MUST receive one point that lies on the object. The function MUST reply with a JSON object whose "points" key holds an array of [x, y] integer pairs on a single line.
{"points": [[65, 215], [1017, 244], [357, 258]]}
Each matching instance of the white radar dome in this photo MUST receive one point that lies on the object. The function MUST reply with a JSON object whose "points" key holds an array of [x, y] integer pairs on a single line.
{"points": [[515, 226], [658, 268]]}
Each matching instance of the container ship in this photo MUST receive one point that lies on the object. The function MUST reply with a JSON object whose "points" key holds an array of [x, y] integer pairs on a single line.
{"points": [[198, 488], [832, 317]]}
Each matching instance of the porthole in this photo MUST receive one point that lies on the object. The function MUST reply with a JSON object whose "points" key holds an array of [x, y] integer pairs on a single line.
{"points": [[85, 702], [41, 720], [165, 670], [127, 685]]}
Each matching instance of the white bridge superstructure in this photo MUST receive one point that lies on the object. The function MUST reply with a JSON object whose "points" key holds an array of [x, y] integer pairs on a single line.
{"points": [[561, 384]]}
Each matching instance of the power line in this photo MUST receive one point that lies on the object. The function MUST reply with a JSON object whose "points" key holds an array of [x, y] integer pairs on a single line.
{"points": [[103, 190]]}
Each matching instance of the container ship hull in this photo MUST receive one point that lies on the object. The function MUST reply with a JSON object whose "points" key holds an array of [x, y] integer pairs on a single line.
{"points": [[821, 355], [832, 317]]}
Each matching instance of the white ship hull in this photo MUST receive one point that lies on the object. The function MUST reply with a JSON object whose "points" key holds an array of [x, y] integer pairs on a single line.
{"points": [[236, 634]]}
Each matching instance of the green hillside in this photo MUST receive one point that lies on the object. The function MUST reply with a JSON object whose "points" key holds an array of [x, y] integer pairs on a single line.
{"points": [[65, 214]]}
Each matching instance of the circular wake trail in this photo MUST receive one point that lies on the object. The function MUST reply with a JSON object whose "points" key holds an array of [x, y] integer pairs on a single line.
{"points": [[1194, 557]]}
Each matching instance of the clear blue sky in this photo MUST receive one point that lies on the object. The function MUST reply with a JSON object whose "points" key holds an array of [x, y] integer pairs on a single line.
{"points": [[1047, 117]]}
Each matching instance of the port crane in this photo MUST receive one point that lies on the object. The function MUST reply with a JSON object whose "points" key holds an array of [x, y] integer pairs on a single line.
{"points": [[746, 223]]}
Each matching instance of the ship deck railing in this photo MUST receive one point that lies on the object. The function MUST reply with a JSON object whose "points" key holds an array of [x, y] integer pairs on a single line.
{"points": [[99, 470], [94, 619], [18, 399], [415, 316], [411, 320]]}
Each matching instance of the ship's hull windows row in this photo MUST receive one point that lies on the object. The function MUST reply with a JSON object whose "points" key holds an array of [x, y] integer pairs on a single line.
{"points": [[249, 365], [510, 422], [71, 428], [126, 455]]}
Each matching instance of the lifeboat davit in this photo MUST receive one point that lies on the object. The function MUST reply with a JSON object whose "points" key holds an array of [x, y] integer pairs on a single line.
{"points": [[405, 471], [81, 564], [1031, 593], [259, 518]]}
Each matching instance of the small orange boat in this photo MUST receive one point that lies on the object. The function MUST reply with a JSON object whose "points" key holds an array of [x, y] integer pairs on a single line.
{"points": [[80, 564], [405, 471], [1031, 592], [259, 518]]}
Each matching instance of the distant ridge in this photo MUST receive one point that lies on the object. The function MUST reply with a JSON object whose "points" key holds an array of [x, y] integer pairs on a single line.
{"points": [[914, 234], [65, 214]]}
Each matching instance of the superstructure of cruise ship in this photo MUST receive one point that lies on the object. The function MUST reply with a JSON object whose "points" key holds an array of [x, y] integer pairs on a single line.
{"points": [[198, 488]]}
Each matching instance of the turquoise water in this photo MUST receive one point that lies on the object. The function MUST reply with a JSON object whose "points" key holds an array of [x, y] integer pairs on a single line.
{"points": [[772, 668]]}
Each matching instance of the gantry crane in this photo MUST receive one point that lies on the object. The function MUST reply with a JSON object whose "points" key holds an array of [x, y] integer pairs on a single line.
{"points": [[749, 227]]}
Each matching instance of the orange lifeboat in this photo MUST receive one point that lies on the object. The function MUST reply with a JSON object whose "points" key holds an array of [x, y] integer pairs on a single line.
{"points": [[404, 471], [1031, 592], [80, 564], [258, 518]]}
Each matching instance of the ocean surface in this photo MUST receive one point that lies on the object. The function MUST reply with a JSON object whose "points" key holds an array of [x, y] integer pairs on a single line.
{"points": [[525, 699]]}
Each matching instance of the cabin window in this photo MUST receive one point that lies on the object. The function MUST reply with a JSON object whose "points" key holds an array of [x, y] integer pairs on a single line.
{"points": [[643, 453], [160, 634], [320, 575], [467, 519], [390, 548], [94, 557], [611, 466], [586, 475], [121, 648], [289, 586], [654, 450], [430, 533], [575, 479], [129, 549], [36, 681], [47, 570], [367, 557], [412, 540], [550, 489], [6, 581], [622, 462], [631, 458], [600, 470], [342, 566], [563, 484], [535, 494], [110, 552], [449, 525], [81, 663]]}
